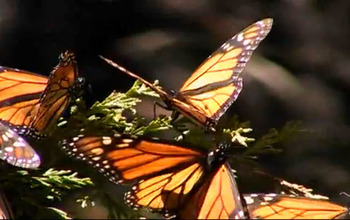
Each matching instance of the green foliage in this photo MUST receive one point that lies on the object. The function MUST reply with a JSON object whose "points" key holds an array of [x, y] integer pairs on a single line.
{"points": [[237, 135], [57, 182], [265, 144], [39, 188], [118, 113]]}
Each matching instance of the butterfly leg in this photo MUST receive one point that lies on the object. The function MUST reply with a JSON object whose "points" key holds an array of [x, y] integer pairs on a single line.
{"points": [[210, 126], [180, 129], [245, 206], [155, 104], [174, 116]]}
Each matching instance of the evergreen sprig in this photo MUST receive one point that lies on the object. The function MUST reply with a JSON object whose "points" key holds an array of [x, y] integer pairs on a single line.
{"points": [[266, 144], [39, 190], [59, 182]]}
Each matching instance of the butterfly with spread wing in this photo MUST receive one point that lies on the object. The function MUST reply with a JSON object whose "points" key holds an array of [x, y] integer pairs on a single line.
{"points": [[216, 83], [15, 150], [170, 179], [280, 206], [31, 103]]}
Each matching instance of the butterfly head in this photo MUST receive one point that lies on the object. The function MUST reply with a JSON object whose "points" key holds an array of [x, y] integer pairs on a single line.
{"points": [[172, 92], [167, 96], [210, 126], [218, 156], [67, 57], [78, 87]]}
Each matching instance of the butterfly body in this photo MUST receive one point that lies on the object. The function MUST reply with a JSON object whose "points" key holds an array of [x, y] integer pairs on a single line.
{"points": [[216, 83]]}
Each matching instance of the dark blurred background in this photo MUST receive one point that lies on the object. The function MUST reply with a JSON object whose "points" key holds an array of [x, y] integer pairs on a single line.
{"points": [[301, 71]]}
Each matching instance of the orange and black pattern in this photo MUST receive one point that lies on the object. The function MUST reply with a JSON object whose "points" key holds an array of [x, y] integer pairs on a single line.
{"points": [[20, 93], [167, 176], [216, 198], [31, 103], [58, 93], [216, 84], [278, 206]]}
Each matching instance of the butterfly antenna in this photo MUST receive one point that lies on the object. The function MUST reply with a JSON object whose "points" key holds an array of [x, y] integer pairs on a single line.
{"points": [[345, 194], [110, 62]]}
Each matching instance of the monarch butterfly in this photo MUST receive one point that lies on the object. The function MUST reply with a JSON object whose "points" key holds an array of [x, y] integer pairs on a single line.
{"points": [[170, 179], [31, 102], [5, 210], [15, 150], [62, 86], [279, 206], [215, 84]]}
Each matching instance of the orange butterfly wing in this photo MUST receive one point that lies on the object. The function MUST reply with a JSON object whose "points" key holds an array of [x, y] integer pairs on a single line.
{"points": [[165, 192], [171, 102], [20, 92], [15, 150], [217, 198], [216, 84], [127, 159], [169, 178], [165, 173], [272, 206], [57, 95]]}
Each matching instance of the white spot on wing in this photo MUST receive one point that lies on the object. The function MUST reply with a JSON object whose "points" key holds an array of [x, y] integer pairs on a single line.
{"points": [[106, 140], [240, 37], [246, 42]]}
